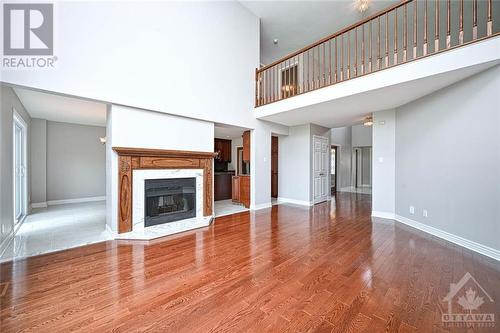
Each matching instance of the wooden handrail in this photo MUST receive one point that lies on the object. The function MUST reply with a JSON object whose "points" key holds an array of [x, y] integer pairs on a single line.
{"points": [[325, 63], [332, 36]]}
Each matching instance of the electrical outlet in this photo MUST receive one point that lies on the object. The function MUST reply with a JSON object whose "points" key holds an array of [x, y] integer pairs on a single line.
{"points": [[412, 210], [424, 213]]}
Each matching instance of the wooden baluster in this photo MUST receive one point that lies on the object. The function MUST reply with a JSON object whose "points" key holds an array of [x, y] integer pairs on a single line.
{"points": [[324, 64], [461, 23], [370, 46], [405, 32], [287, 75], [303, 72], [268, 91], [330, 61], [335, 59], [257, 87], [355, 51], [425, 30], [348, 55], [342, 61], [448, 24], [474, 19], [386, 40], [489, 24], [363, 49], [395, 36], [313, 71], [307, 70], [436, 26], [415, 29], [379, 56]]}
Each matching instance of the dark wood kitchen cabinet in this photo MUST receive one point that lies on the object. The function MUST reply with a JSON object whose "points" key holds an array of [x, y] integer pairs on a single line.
{"points": [[222, 186], [241, 190], [223, 148], [246, 146]]}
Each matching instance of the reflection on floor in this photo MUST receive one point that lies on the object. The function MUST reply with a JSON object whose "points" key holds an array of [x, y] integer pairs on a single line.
{"points": [[352, 189], [227, 207], [59, 227]]}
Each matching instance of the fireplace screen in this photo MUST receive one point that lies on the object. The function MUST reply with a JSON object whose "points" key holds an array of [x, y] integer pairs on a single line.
{"points": [[168, 200]]}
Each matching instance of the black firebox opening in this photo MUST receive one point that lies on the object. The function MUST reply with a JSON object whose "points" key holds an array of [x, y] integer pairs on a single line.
{"points": [[168, 200]]}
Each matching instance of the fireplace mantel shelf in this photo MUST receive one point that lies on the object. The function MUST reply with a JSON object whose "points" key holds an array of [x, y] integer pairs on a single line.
{"points": [[127, 151]]}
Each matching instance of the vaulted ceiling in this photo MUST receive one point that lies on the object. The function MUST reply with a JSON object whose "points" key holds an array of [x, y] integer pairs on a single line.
{"points": [[299, 23]]}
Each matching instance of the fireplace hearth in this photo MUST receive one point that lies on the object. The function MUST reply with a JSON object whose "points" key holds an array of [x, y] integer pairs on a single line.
{"points": [[169, 200]]}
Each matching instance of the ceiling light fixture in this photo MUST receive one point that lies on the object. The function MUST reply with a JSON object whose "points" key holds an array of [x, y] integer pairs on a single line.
{"points": [[368, 121], [103, 139], [275, 41], [362, 5]]}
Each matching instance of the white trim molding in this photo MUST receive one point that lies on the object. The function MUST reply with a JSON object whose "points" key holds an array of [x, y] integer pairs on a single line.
{"points": [[295, 202], [261, 206], [384, 215], [39, 204], [76, 200], [463, 242]]}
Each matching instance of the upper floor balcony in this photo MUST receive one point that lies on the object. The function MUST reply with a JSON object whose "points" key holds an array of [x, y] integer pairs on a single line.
{"points": [[386, 60]]}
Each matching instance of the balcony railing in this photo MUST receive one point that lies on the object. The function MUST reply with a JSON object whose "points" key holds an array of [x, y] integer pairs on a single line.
{"points": [[407, 31]]}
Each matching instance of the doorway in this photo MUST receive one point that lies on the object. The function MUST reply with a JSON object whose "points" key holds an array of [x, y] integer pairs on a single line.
{"points": [[20, 187], [274, 167], [362, 169], [320, 168], [334, 150]]}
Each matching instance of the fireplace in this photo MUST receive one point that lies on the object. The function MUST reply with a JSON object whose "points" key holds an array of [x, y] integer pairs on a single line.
{"points": [[169, 200]]}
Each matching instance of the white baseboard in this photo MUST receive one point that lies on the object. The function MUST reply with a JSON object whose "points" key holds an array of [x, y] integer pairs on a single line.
{"points": [[39, 205], [295, 202], [463, 242], [384, 215], [261, 206], [76, 200], [468, 244]]}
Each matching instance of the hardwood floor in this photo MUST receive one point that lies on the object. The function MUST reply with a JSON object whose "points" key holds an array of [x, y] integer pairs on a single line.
{"points": [[288, 268]]}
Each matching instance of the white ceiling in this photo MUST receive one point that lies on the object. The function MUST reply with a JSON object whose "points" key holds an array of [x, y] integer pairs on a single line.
{"points": [[62, 109], [228, 132], [297, 24]]}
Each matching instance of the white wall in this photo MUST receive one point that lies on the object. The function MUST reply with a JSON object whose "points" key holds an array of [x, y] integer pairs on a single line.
{"points": [[448, 159], [294, 165], [342, 137], [38, 145], [62, 152], [75, 161], [384, 159], [361, 136], [195, 59], [129, 127], [9, 101]]}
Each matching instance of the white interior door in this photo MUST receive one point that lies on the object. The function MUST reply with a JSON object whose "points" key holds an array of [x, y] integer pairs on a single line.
{"points": [[321, 156], [20, 183]]}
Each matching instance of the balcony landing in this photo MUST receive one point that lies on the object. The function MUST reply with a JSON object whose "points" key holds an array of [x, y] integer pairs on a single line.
{"points": [[348, 102]]}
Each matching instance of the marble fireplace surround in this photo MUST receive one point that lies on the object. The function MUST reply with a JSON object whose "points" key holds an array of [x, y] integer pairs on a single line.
{"points": [[137, 164]]}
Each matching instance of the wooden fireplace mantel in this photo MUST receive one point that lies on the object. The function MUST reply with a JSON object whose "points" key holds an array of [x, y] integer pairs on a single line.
{"points": [[142, 158]]}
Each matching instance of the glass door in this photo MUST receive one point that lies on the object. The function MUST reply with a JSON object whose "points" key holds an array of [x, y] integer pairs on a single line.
{"points": [[20, 184]]}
